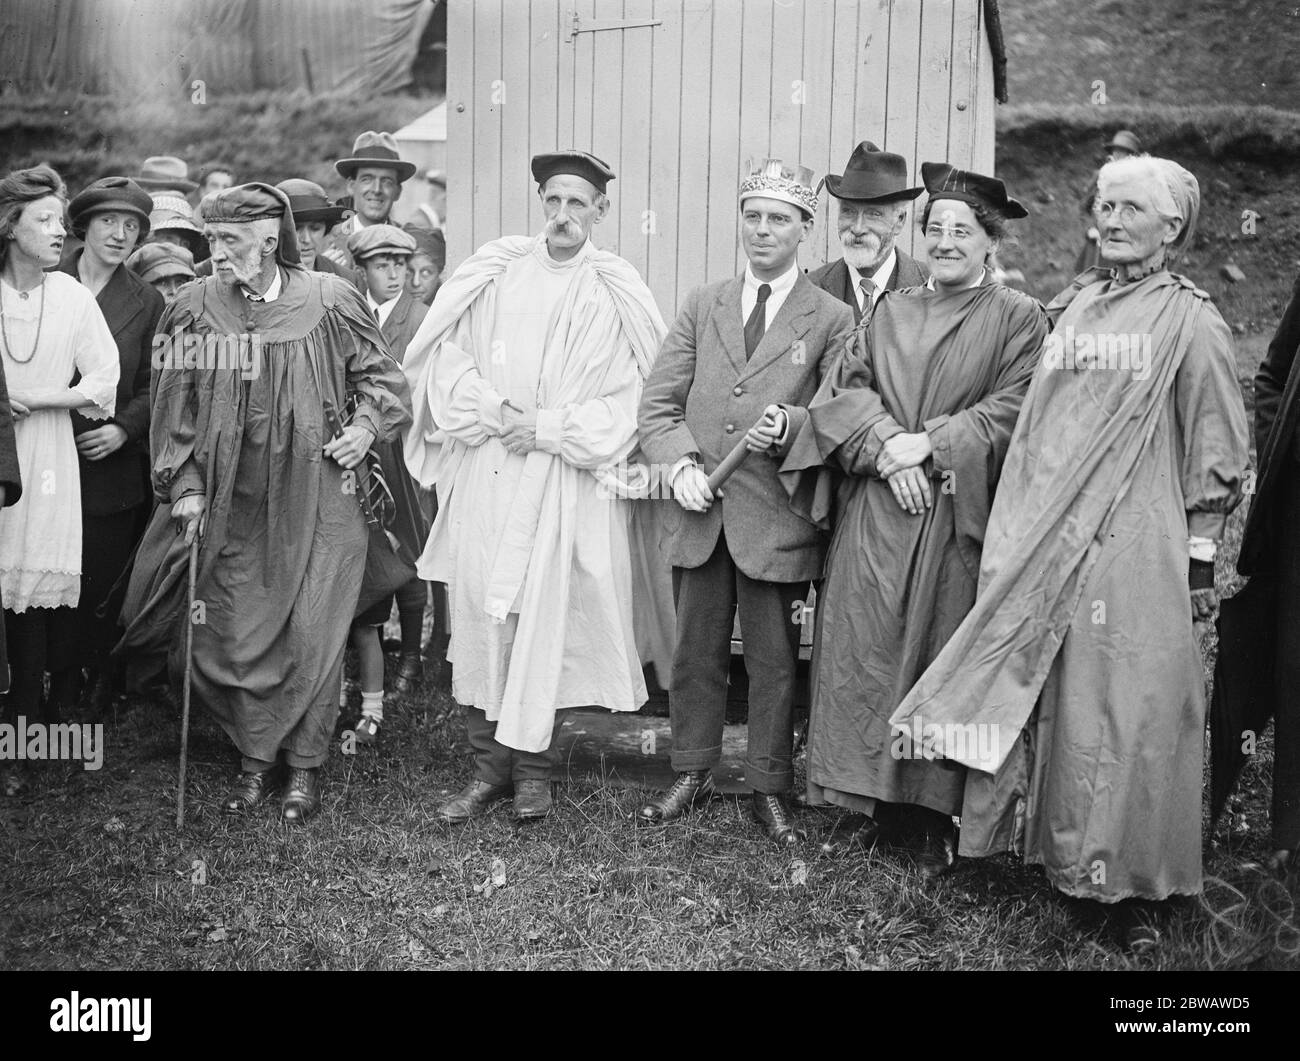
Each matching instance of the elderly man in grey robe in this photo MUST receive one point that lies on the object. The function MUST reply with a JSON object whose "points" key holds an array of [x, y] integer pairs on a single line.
{"points": [[243, 457]]}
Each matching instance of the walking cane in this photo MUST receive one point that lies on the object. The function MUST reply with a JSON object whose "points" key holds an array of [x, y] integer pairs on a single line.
{"points": [[185, 686]]}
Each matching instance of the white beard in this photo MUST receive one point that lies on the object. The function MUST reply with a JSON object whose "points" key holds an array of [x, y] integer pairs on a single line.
{"points": [[866, 259], [245, 269]]}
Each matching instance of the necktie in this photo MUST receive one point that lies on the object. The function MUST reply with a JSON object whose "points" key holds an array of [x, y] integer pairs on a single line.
{"points": [[868, 290], [378, 319], [757, 323]]}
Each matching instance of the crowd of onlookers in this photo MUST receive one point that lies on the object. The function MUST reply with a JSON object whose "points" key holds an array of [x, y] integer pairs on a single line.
{"points": [[128, 244]]}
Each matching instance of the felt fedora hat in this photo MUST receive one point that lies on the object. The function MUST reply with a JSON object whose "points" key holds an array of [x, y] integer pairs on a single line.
{"points": [[309, 202], [375, 149], [871, 176], [163, 173]]}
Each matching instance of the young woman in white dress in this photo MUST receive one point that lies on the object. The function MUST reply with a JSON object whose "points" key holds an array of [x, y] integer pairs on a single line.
{"points": [[51, 329]]}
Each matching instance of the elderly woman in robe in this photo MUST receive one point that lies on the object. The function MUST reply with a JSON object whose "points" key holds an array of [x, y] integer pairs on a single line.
{"points": [[916, 417], [1080, 653]]}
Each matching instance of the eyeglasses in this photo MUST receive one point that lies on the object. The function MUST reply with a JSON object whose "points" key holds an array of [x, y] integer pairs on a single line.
{"points": [[956, 232], [1127, 213]]}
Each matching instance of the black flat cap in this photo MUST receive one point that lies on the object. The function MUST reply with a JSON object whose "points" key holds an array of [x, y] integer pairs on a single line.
{"points": [[253, 202], [579, 163]]}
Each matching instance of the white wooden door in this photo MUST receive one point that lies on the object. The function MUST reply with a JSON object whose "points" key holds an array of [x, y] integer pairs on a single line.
{"points": [[677, 95]]}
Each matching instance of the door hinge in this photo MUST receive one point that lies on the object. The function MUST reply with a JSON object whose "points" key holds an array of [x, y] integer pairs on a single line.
{"points": [[596, 25]]}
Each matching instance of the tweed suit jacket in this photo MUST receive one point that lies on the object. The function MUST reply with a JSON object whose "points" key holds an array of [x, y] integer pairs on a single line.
{"points": [[703, 395], [402, 324]]}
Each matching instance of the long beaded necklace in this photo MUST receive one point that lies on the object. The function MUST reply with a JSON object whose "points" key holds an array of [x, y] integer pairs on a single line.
{"points": [[40, 320]]}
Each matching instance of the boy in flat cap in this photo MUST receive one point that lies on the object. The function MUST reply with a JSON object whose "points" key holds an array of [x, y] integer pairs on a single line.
{"points": [[526, 377], [163, 266], [751, 347], [243, 457], [381, 253]]}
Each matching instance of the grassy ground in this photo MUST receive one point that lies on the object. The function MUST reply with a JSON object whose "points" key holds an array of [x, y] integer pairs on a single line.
{"points": [[96, 876]]}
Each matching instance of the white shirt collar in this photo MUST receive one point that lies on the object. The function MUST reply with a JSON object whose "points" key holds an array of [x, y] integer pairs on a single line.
{"points": [[271, 293], [782, 285], [385, 309], [880, 278]]}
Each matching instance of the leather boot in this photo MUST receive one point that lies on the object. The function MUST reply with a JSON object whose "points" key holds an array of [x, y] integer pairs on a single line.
{"points": [[774, 814], [474, 799], [532, 800], [692, 788], [301, 797], [410, 672], [852, 832], [250, 790], [938, 855]]}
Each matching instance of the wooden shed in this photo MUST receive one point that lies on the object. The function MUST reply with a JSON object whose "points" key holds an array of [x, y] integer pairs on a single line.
{"points": [[677, 96]]}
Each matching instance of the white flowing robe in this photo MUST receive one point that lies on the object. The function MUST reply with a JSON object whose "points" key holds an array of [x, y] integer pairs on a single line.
{"points": [[534, 548]]}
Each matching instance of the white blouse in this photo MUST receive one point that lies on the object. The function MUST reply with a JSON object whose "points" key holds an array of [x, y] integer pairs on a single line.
{"points": [[40, 536]]}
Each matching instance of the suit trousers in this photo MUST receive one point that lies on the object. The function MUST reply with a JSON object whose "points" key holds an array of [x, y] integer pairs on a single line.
{"points": [[770, 612], [498, 765]]}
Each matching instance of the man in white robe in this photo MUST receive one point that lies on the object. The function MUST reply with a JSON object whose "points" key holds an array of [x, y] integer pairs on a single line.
{"points": [[526, 376]]}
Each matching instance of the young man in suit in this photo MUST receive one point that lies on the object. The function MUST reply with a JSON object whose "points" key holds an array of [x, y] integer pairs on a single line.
{"points": [[748, 349], [873, 199]]}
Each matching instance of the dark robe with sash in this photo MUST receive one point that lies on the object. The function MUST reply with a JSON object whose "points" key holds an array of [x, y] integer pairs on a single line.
{"points": [[1079, 656], [955, 365], [284, 549]]}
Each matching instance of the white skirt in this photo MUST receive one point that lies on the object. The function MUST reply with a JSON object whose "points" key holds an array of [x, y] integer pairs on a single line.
{"points": [[40, 536]]}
